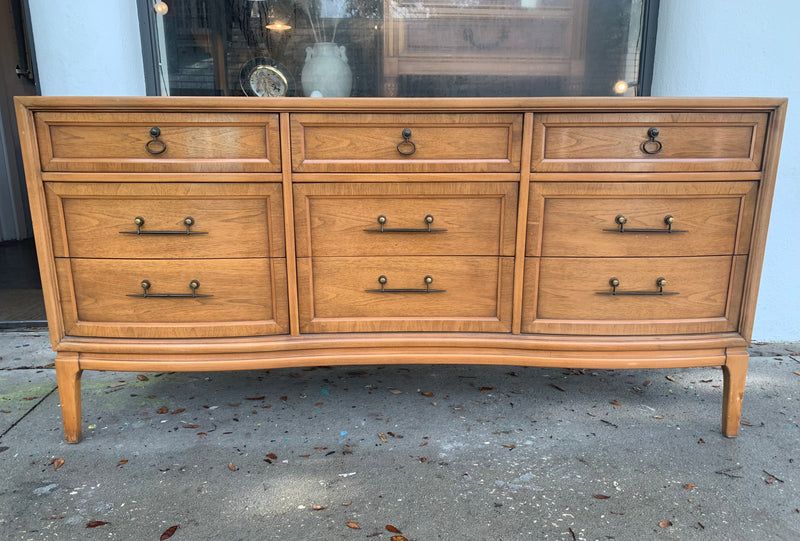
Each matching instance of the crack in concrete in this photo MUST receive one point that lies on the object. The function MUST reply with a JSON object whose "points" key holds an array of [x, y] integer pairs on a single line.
{"points": [[15, 423], [50, 365]]}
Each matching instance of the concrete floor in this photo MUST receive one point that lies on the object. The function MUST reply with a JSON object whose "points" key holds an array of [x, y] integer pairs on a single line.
{"points": [[487, 453]]}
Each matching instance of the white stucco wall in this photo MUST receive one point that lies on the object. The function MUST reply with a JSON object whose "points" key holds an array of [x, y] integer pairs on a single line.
{"points": [[87, 48], [746, 48], [704, 48]]}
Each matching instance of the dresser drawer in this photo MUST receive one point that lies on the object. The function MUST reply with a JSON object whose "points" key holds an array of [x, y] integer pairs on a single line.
{"points": [[610, 142], [575, 295], [354, 142], [471, 218], [189, 142], [345, 294], [235, 297], [640, 219], [227, 221]]}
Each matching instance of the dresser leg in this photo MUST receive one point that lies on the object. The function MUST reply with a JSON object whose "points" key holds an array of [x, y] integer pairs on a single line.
{"points": [[734, 374], [68, 374]]}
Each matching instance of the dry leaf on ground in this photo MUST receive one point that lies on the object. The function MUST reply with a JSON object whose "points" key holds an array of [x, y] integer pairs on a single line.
{"points": [[95, 523], [57, 463], [169, 532], [353, 525]]}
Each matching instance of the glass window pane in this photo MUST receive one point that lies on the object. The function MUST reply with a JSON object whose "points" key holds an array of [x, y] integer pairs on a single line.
{"points": [[399, 47]]}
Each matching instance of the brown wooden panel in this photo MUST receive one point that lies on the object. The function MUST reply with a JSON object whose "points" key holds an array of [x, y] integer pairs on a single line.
{"points": [[479, 218], [616, 142], [248, 297], [574, 219], [194, 142], [239, 220], [569, 298], [453, 142], [333, 296]]}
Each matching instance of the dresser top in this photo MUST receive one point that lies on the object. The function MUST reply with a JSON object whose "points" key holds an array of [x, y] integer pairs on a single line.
{"points": [[244, 104]]}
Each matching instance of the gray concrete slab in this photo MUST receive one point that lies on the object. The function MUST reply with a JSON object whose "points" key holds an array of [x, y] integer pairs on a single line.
{"points": [[25, 349], [487, 453]]}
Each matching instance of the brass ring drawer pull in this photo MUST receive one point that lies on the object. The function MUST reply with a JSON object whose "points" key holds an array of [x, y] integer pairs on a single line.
{"points": [[428, 221], [653, 146], [660, 283], [155, 145], [621, 220], [187, 222], [193, 285], [428, 281], [406, 147]]}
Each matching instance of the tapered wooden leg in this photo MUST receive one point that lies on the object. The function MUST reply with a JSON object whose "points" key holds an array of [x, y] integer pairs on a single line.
{"points": [[68, 374], [734, 374]]}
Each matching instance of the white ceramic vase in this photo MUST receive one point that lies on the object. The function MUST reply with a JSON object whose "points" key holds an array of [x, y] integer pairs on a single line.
{"points": [[326, 71]]}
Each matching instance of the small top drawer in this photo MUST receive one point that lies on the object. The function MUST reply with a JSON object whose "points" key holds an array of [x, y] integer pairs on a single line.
{"points": [[610, 142], [158, 142], [406, 142]]}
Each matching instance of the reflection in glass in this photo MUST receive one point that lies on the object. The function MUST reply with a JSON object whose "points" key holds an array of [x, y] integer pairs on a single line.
{"points": [[407, 47]]}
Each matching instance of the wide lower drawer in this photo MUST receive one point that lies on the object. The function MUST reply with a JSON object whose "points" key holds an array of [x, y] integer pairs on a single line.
{"points": [[640, 219], [364, 219], [578, 295], [455, 142], [169, 220], [365, 294], [614, 142], [156, 298], [158, 142]]}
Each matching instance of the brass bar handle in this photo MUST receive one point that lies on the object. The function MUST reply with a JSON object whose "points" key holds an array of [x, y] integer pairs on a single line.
{"points": [[188, 222], [428, 221], [660, 283], [621, 220], [155, 145], [406, 147], [193, 285], [653, 146], [428, 280]]}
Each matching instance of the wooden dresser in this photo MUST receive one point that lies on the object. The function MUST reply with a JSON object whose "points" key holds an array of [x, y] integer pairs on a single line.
{"points": [[189, 234]]}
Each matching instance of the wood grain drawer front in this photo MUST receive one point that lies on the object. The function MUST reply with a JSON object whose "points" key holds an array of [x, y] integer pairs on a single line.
{"points": [[610, 142], [573, 295], [344, 294], [104, 297], [125, 142], [228, 221], [640, 219], [472, 218], [455, 142]]}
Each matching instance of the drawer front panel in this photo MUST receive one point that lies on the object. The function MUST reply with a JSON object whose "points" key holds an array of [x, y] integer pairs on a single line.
{"points": [[621, 219], [612, 142], [229, 221], [344, 294], [104, 297], [186, 142], [475, 218], [406, 142], [573, 295]]}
